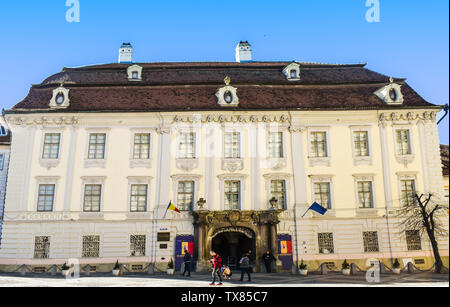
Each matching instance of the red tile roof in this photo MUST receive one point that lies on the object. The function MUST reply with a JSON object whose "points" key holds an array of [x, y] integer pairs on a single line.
{"points": [[192, 86]]}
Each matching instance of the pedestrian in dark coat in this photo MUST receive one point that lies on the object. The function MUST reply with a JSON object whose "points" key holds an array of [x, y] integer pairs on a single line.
{"points": [[187, 263], [244, 264], [268, 258]]}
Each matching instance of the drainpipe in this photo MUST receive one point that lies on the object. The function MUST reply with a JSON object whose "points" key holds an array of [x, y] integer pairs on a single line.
{"points": [[446, 109]]}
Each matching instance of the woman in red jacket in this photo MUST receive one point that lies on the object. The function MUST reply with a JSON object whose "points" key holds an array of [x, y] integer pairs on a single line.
{"points": [[216, 263]]}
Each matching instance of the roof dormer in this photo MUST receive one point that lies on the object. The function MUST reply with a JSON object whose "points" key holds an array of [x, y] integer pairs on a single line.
{"points": [[60, 98], [227, 95], [391, 93], [134, 73], [292, 71]]}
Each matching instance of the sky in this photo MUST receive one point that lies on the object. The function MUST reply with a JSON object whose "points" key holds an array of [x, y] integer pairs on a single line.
{"points": [[411, 39]]}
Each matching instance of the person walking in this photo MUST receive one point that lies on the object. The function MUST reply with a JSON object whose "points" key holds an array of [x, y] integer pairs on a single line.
{"points": [[216, 263], [268, 258], [244, 264], [187, 263]]}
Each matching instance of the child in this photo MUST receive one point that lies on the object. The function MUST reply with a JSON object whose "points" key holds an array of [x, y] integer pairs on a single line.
{"points": [[226, 272]]}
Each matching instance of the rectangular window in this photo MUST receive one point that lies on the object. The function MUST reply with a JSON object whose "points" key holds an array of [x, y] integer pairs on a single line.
{"points": [[413, 240], [46, 197], [319, 144], [2, 161], [326, 245], [97, 143], [276, 145], [232, 144], [138, 198], [408, 191], [278, 190], [365, 194], [371, 242], [163, 236], [322, 194], [185, 196], [232, 195], [361, 141], [51, 146], [137, 246], [403, 142], [42, 248], [141, 146], [91, 247], [186, 146], [92, 197]]}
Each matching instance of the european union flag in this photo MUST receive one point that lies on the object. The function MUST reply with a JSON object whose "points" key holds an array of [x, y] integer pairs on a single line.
{"points": [[318, 208]]}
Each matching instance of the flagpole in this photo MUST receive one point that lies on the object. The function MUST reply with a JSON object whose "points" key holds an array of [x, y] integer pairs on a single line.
{"points": [[167, 210], [306, 212]]}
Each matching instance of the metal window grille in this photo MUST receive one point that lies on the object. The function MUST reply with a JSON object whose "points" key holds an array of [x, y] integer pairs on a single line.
{"points": [[97, 143], [319, 144], [278, 190], [46, 197], [322, 194], [137, 245], [141, 146], [185, 195], [232, 145], [187, 145], [138, 198], [51, 146], [42, 248], [408, 192], [413, 240], [91, 247], [276, 145], [403, 142], [365, 194], [232, 195], [371, 242], [326, 245], [2, 161], [361, 142], [92, 197]]}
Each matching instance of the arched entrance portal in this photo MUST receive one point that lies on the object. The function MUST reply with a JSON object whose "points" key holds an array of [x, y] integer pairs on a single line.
{"points": [[231, 245]]}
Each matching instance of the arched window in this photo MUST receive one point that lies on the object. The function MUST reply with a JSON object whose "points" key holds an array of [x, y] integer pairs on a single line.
{"points": [[393, 94]]}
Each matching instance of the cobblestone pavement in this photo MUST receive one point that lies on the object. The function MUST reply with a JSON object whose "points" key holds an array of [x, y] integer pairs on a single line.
{"points": [[202, 280]]}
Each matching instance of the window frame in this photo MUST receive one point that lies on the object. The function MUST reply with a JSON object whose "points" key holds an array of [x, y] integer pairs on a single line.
{"points": [[279, 145], [48, 184], [192, 193], [99, 246], [333, 250], [180, 138], [239, 193], [100, 196], [239, 144], [138, 208], [49, 246], [2, 160], [149, 144], [399, 147], [366, 244]]}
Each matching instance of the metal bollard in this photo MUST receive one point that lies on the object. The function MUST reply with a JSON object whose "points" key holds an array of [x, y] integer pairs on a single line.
{"points": [[150, 269], [353, 269], [323, 269], [121, 271], [23, 270], [294, 270], [382, 268], [53, 270], [87, 270], [410, 268]]}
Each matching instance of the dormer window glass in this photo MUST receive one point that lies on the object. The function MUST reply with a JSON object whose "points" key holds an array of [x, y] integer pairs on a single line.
{"points": [[228, 97], [60, 98], [135, 75], [293, 74], [393, 94]]}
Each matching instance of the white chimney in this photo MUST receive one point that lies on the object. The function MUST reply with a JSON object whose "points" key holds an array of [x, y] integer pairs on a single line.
{"points": [[243, 52], [126, 53]]}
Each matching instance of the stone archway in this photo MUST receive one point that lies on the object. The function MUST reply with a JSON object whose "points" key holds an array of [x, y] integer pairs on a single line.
{"points": [[259, 224]]}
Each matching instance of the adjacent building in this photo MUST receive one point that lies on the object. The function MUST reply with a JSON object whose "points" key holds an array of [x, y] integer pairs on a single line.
{"points": [[241, 148], [5, 144]]}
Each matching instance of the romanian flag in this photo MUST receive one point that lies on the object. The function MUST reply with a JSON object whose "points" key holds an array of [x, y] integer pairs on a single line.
{"points": [[172, 207], [285, 247], [189, 246]]}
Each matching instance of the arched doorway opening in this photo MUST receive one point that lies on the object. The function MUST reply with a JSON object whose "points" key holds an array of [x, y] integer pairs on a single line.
{"points": [[231, 245]]}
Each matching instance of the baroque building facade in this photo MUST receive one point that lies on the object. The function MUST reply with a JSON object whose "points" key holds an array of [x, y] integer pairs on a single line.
{"points": [[242, 149]]}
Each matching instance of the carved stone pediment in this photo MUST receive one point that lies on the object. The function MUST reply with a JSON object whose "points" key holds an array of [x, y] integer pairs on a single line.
{"points": [[232, 165], [236, 218]]}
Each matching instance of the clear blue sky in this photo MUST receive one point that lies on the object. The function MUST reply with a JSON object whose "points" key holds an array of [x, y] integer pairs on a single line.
{"points": [[411, 40]]}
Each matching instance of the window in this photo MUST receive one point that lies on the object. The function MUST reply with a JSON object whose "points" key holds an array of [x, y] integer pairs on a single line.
{"points": [[3, 131], [403, 142], [137, 246], [232, 195], [365, 194], [293, 74], [91, 247], [187, 145], [46, 197], [322, 194], [2, 161], [97, 146], [92, 197], [408, 192], [361, 141], [51, 146], [141, 146], [138, 200], [413, 240], [42, 247], [228, 97], [232, 145], [278, 190], [326, 245], [185, 195], [371, 242], [135, 75], [319, 144], [276, 145], [163, 236]]}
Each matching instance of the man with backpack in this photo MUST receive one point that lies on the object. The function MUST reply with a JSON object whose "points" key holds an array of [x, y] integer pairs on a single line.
{"points": [[244, 264], [187, 263], [216, 263]]}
